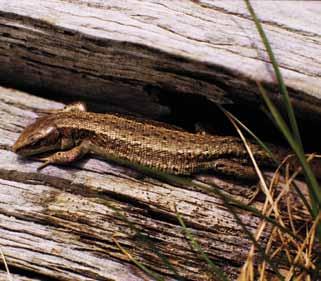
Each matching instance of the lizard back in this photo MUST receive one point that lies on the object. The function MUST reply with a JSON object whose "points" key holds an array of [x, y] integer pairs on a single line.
{"points": [[152, 144]]}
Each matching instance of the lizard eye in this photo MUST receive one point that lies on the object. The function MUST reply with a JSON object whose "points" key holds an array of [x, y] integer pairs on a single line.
{"points": [[32, 139], [45, 136]]}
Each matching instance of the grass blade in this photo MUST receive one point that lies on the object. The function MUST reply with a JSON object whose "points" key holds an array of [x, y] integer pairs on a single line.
{"points": [[295, 139], [151, 273], [265, 147], [196, 247], [279, 77], [315, 191], [257, 139]]}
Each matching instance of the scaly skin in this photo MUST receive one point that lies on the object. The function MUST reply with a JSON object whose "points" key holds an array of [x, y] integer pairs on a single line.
{"points": [[73, 132]]}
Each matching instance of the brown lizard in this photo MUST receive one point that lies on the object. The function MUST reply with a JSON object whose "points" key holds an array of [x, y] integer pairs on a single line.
{"points": [[73, 132]]}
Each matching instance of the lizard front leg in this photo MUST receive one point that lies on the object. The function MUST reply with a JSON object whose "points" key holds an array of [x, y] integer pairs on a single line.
{"points": [[76, 106], [65, 157]]}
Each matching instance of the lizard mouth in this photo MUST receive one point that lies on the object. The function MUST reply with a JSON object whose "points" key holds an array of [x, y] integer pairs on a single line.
{"points": [[16, 147], [20, 151], [25, 152]]}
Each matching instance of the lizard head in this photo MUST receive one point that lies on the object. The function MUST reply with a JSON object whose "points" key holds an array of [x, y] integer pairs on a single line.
{"points": [[40, 136]]}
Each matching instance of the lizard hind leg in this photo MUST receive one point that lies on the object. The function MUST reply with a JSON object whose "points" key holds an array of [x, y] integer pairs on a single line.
{"points": [[76, 106], [233, 168], [65, 157]]}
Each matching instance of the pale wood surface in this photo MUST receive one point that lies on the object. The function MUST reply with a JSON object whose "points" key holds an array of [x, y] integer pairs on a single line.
{"points": [[123, 51], [122, 55], [59, 222]]}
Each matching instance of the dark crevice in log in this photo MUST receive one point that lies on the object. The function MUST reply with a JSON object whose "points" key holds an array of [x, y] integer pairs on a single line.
{"points": [[164, 60], [215, 77], [32, 274]]}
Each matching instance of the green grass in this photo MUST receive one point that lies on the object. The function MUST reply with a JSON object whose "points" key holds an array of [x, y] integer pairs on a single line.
{"points": [[272, 214], [292, 136], [216, 271]]}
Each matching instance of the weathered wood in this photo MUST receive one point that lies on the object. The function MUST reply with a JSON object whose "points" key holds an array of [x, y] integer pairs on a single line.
{"points": [[17, 277], [60, 222], [128, 52]]}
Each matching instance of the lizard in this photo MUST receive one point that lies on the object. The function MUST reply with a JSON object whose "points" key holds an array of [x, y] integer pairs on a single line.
{"points": [[71, 133]]}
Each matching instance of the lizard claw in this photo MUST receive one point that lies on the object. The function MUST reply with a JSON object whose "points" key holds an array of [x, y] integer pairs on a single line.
{"points": [[43, 165], [47, 161]]}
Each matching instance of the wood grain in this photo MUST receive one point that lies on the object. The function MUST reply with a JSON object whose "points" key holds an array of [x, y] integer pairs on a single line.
{"points": [[60, 222], [131, 56], [128, 52]]}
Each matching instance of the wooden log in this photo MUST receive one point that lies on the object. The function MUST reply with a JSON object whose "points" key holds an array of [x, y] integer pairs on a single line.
{"points": [[60, 222], [131, 56], [131, 53]]}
